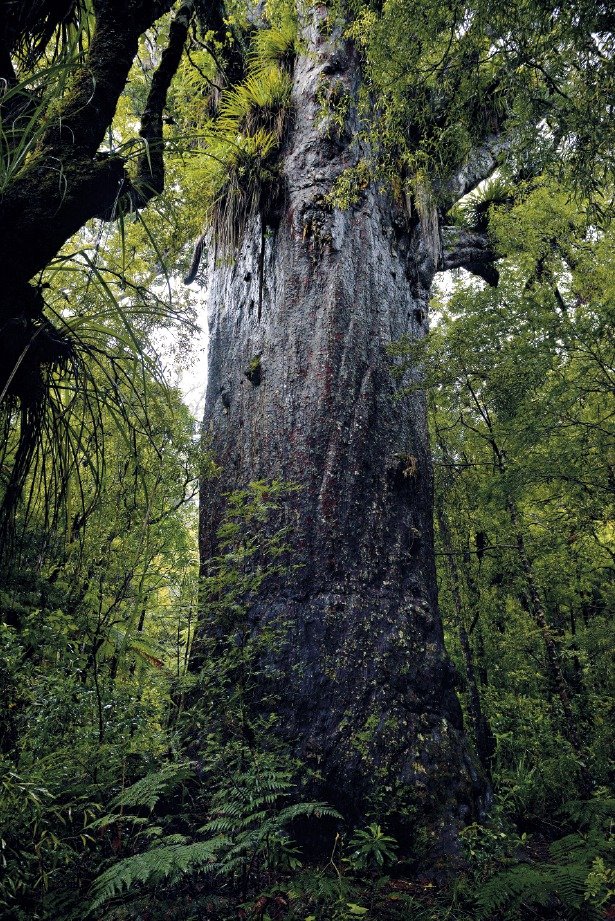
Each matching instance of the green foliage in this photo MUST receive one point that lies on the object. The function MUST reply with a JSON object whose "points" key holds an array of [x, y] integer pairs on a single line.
{"points": [[370, 848], [139, 769], [95, 608], [45, 46], [334, 105], [168, 862], [448, 75], [519, 385], [236, 171], [148, 790], [253, 808], [276, 45], [26, 104], [252, 552], [109, 384], [349, 186], [575, 878], [257, 103], [474, 211], [248, 794]]}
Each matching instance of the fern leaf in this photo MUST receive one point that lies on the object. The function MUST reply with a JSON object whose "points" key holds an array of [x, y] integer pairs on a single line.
{"points": [[166, 862], [148, 790]]}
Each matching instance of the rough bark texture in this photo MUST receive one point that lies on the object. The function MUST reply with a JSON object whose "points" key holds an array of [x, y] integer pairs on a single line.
{"points": [[368, 698]]}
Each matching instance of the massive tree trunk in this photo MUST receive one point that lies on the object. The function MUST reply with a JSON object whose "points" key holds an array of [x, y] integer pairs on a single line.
{"points": [[368, 698]]}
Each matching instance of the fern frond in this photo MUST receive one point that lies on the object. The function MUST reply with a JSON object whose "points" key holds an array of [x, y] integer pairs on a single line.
{"points": [[148, 790], [167, 862], [599, 808], [565, 880], [302, 810], [510, 888]]}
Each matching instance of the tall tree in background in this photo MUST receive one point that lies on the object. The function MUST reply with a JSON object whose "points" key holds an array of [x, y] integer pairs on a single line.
{"points": [[325, 241]]}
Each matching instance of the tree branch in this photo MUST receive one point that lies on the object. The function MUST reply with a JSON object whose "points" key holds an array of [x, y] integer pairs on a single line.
{"points": [[471, 250], [149, 180], [88, 109], [65, 183]]}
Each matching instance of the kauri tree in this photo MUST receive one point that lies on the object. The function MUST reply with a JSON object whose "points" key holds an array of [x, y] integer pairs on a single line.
{"points": [[332, 215], [336, 143]]}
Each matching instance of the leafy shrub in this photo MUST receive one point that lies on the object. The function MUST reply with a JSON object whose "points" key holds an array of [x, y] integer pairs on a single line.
{"points": [[575, 878]]}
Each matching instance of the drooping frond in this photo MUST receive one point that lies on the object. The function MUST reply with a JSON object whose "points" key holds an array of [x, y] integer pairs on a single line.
{"points": [[562, 880], [148, 790], [168, 862]]}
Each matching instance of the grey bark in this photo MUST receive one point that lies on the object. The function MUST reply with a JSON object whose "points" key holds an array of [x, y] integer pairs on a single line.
{"points": [[471, 250], [481, 163], [368, 698]]}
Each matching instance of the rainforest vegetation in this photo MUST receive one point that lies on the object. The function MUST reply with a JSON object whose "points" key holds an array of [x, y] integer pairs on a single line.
{"points": [[342, 648]]}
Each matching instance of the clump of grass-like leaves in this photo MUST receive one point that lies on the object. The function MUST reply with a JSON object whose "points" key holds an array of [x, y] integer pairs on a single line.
{"points": [[44, 42], [473, 211], [259, 103], [277, 45], [239, 169], [79, 374]]}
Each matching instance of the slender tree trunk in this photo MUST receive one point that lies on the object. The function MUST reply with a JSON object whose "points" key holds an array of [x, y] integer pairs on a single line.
{"points": [[538, 612], [485, 742], [368, 693], [535, 605]]}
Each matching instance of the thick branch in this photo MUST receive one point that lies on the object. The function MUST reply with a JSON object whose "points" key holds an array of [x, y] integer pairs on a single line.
{"points": [[64, 183], [149, 180], [89, 108], [471, 250], [42, 210]]}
